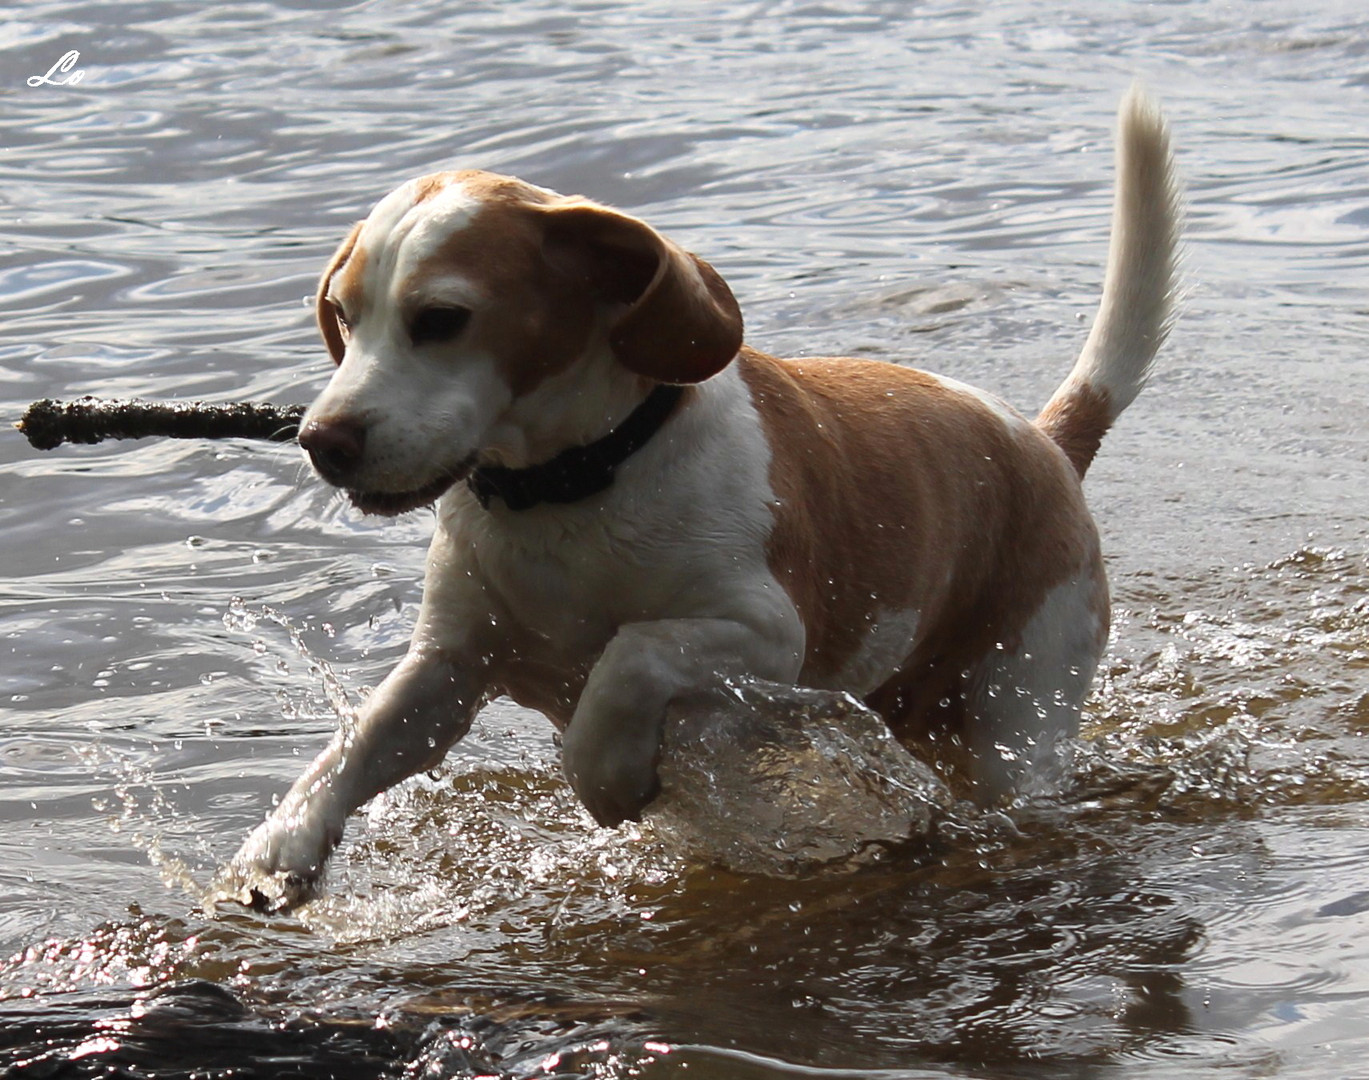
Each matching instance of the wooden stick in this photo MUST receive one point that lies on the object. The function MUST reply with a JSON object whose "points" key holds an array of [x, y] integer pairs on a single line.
{"points": [[48, 423]]}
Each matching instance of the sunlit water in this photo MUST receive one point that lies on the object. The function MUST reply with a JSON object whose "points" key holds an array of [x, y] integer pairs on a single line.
{"points": [[928, 182]]}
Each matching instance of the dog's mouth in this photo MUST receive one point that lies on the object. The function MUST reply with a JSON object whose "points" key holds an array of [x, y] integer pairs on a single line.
{"points": [[394, 503]]}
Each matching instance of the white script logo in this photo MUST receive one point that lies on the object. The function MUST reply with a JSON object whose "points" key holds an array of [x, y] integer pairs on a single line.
{"points": [[63, 65]]}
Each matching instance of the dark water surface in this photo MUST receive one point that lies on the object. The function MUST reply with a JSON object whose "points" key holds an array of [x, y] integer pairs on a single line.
{"points": [[926, 182]]}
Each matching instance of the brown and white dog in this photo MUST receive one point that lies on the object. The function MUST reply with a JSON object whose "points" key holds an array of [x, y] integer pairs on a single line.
{"points": [[631, 504]]}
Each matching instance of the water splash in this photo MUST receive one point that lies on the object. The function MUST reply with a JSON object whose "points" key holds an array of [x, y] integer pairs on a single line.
{"points": [[773, 779], [770, 780], [484, 851], [1250, 698], [761, 780], [242, 619]]}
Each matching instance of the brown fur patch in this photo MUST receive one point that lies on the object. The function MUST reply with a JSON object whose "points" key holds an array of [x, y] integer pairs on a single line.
{"points": [[682, 323], [425, 187], [1076, 421], [897, 493]]}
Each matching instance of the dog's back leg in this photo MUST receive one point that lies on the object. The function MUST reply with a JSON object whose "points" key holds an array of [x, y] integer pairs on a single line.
{"points": [[1024, 696]]}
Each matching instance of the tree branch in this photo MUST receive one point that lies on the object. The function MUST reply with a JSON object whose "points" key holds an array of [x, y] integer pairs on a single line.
{"points": [[48, 423]]}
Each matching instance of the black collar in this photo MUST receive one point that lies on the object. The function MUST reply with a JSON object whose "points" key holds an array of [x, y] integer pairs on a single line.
{"points": [[581, 471]]}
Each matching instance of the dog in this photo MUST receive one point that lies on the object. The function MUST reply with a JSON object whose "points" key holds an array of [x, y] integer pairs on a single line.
{"points": [[632, 505]]}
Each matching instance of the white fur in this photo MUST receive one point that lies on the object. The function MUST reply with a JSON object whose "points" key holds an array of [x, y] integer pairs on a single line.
{"points": [[424, 419], [429, 225], [572, 574], [1011, 418]]}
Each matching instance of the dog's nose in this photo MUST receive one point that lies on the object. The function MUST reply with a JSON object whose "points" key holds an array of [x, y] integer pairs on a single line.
{"points": [[335, 446]]}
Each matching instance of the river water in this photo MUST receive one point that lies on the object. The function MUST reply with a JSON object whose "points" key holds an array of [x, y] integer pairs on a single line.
{"points": [[926, 182]]}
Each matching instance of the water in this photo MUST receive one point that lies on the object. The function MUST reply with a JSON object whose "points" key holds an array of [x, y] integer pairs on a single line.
{"points": [[926, 182]]}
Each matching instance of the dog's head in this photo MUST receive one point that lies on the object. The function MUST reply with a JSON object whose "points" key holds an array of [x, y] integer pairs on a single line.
{"points": [[474, 317]]}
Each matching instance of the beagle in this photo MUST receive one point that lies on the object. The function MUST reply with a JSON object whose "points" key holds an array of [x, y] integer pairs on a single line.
{"points": [[632, 505]]}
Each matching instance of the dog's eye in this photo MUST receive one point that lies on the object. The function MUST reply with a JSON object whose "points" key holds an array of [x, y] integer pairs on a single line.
{"points": [[437, 324], [344, 323]]}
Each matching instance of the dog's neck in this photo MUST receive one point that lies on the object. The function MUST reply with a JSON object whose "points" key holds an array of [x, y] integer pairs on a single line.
{"points": [[579, 471]]}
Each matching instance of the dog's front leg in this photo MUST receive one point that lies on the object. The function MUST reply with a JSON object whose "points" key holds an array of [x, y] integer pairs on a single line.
{"points": [[425, 705], [611, 748]]}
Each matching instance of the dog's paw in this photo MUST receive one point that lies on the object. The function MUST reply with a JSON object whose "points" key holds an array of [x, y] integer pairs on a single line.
{"points": [[277, 868], [267, 893], [613, 789]]}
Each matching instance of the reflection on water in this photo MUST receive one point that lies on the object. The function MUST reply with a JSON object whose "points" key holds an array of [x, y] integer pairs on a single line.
{"points": [[185, 623]]}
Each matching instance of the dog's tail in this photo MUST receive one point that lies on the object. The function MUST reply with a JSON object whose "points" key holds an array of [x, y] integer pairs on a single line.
{"points": [[1138, 290]]}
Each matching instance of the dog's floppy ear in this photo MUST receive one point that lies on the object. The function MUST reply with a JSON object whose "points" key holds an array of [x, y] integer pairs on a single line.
{"points": [[329, 323], [682, 323]]}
